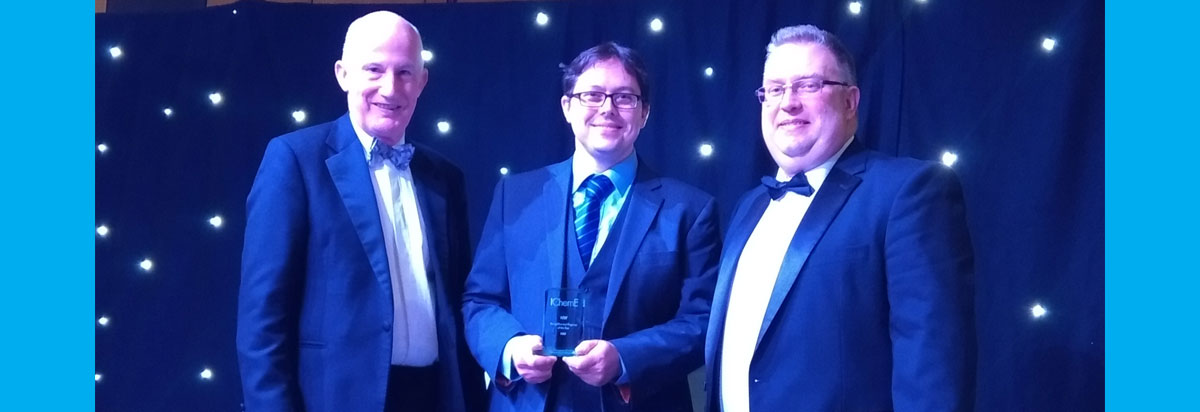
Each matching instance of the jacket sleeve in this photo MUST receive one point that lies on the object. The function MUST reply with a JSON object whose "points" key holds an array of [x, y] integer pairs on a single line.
{"points": [[676, 347], [930, 288], [489, 322], [273, 259]]}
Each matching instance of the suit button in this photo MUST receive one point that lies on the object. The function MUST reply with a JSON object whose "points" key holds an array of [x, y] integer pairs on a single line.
{"points": [[387, 326]]}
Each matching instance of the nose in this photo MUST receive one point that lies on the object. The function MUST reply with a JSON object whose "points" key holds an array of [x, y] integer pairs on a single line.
{"points": [[790, 101], [387, 84], [607, 104]]}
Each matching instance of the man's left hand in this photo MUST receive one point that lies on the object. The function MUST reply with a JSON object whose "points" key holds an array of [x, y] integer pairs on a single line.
{"points": [[596, 362]]}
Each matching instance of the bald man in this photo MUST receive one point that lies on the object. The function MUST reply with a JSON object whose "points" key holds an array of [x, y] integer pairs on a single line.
{"points": [[356, 251]]}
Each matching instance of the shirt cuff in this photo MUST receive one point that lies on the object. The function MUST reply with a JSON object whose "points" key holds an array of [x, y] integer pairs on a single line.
{"points": [[506, 363], [623, 378]]}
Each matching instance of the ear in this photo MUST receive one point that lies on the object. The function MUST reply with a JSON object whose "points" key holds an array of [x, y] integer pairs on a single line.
{"points": [[566, 107], [423, 80], [645, 115], [852, 96], [339, 72]]}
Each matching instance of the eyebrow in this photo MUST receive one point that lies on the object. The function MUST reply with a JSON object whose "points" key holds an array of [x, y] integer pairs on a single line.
{"points": [[794, 79], [622, 89]]}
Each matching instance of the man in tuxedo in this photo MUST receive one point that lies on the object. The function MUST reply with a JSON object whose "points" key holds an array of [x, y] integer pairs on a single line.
{"points": [[356, 251], [846, 279], [643, 247]]}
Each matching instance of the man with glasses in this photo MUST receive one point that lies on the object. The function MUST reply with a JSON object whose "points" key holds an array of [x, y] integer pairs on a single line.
{"points": [[846, 282], [639, 248]]}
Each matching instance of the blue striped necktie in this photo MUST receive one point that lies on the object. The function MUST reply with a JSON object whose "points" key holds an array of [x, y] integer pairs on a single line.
{"points": [[588, 198]]}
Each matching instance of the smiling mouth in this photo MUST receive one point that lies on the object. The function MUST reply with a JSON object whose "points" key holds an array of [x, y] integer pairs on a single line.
{"points": [[386, 106], [607, 126], [793, 123]]}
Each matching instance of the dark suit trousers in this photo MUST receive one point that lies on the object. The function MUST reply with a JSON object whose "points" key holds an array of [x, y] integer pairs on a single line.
{"points": [[412, 389]]}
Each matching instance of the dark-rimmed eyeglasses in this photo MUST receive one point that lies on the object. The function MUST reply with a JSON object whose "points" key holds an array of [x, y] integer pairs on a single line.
{"points": [[619, 100]]}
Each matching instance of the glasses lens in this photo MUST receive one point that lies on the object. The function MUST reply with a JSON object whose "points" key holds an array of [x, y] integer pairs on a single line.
{"points": [[625, 100]]}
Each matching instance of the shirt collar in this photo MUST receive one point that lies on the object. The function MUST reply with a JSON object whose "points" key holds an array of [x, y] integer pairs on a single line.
{"points": [[621, 173], [816, 176], [367, 141]]}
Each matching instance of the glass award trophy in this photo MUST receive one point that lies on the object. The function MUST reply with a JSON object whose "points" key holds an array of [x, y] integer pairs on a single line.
{"points": [[563, 318]]}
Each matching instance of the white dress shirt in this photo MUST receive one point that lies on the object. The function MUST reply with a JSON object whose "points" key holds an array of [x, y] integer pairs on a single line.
{"points": [[414, 328], [754, 281]]}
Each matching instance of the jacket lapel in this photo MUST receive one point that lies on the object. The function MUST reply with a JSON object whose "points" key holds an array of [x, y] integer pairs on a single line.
{"points": [[742, 225], [641, 207], [431, 203], [553, 200], [348, 169], [839, 184]]}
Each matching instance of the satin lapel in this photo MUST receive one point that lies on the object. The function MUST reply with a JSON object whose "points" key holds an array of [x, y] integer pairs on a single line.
{"points": [[431, 203], [839, 184], [642, 207], [553, 200], [348, 169], [740, 229]]}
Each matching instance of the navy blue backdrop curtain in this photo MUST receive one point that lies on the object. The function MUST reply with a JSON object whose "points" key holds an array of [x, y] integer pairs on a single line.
{"points": [[967, 77]]}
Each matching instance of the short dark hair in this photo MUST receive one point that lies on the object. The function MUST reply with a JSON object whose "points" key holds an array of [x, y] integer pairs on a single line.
{"points": [[812, 34], [606, 51]]}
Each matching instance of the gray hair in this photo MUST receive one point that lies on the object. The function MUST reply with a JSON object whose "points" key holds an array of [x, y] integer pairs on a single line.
{"points": [[808, 33]]}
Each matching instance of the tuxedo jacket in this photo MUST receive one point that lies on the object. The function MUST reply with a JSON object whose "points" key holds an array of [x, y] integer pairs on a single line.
{"points": [[659, 290], [314, 330], [873, 306]]}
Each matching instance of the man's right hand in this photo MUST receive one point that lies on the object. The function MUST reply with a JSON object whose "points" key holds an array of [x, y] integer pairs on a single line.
{"points": [[533, 368]]}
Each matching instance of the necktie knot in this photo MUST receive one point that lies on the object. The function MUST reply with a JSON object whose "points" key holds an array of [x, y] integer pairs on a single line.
{"points": [[798, 184], [594, 189], [399, 156]]}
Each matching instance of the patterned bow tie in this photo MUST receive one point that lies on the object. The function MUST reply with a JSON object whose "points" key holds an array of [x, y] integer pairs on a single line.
{"points": [[798, 184], [399, 156]]}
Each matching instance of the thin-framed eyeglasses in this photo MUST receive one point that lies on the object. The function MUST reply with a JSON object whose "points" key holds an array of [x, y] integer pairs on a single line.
{"points": [[772, 93], [619, 100]]}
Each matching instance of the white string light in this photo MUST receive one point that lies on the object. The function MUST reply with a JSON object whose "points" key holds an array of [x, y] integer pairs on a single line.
{"points": [[146, 264], [443, 127], [102, 147], [706, 149], [168, 112], [99, 377], [856, 7], [949, 158], [504, 171], [1037, 311], [299, 116], [115, 52], [426, 55], [215, 98], [234, 11], [542, 19], [656, 25], [708, 71], [216, 221], [103, 321], [102, 230], [1048, 44], [206, 374]]}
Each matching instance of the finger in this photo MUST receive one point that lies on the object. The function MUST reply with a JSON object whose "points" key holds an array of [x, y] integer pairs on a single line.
{"points": [[543, 362], [584, 347], [572, 362]]}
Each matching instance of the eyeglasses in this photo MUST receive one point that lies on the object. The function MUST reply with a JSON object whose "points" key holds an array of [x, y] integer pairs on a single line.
{"points": [[775, 92], [619, 100]]}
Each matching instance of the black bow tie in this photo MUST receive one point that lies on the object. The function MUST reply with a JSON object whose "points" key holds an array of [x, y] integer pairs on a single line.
{"points": [[798, 184]]}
